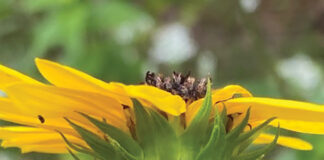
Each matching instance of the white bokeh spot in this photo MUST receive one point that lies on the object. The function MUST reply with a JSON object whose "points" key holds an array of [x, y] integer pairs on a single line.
{"points": [[126, 33], [206, 64], [172, 44], [249, 5], [301, 71]]}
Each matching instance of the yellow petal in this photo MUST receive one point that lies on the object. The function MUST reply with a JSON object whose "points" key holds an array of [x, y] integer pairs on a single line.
{"points": [[218, 95], [50, 148], [35, 139], [265, 108], [66, 77], [54, 102], [10, 112], [9, 76], [51, 123], [298, 126], [228, 91], [164, 101], [294, 143]]}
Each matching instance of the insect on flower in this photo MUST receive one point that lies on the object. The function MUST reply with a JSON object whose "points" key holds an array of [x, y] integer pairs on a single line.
{"points": [[185, 86], [41, 118]]}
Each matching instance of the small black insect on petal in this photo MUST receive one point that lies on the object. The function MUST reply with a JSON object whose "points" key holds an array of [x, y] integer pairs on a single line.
{"points": [[185, 86], [125, 106], [41, 119]]}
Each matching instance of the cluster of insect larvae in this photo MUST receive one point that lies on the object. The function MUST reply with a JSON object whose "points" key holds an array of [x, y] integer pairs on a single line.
{"points": [[185, 86]]}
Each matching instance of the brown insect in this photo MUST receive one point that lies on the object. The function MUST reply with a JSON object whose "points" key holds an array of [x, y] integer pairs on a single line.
{"points": [[41, 119]]}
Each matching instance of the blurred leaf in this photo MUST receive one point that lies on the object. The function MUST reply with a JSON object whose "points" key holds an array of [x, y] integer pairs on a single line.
{"points": [[65, 28], [45, 5], [111, 14]]}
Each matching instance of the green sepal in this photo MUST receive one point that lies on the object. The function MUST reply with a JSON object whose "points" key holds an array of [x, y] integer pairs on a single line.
{"points": [[73, 155], [155, 135], [232, 138], [103, 148], [195, 135], [258, 153], [239, 129], [78, 148], [245, 139], [214, 149], [118, 148], [226, 146], [123, 141]]}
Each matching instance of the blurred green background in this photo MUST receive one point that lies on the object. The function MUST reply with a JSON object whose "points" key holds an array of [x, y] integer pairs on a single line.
{"points": [[275, 48]]}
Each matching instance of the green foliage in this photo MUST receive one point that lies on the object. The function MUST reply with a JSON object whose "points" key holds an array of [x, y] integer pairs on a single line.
{"points": [[80, 33]]}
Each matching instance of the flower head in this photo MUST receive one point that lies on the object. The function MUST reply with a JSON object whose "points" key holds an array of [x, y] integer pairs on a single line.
{"points": [[74, 100]]}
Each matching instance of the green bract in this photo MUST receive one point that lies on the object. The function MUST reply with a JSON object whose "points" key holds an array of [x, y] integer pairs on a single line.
{"points": [[158, 139]]}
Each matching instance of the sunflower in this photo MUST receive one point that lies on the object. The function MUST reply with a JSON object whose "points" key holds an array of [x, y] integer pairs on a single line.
{"points": [[74, 101]]}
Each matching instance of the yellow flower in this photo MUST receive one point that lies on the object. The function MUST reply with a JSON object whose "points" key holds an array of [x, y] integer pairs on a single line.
{"points": [[41, 108]]}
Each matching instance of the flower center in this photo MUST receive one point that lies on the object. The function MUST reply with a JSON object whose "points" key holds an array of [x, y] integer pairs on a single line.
{"points": [[185, 86]]}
